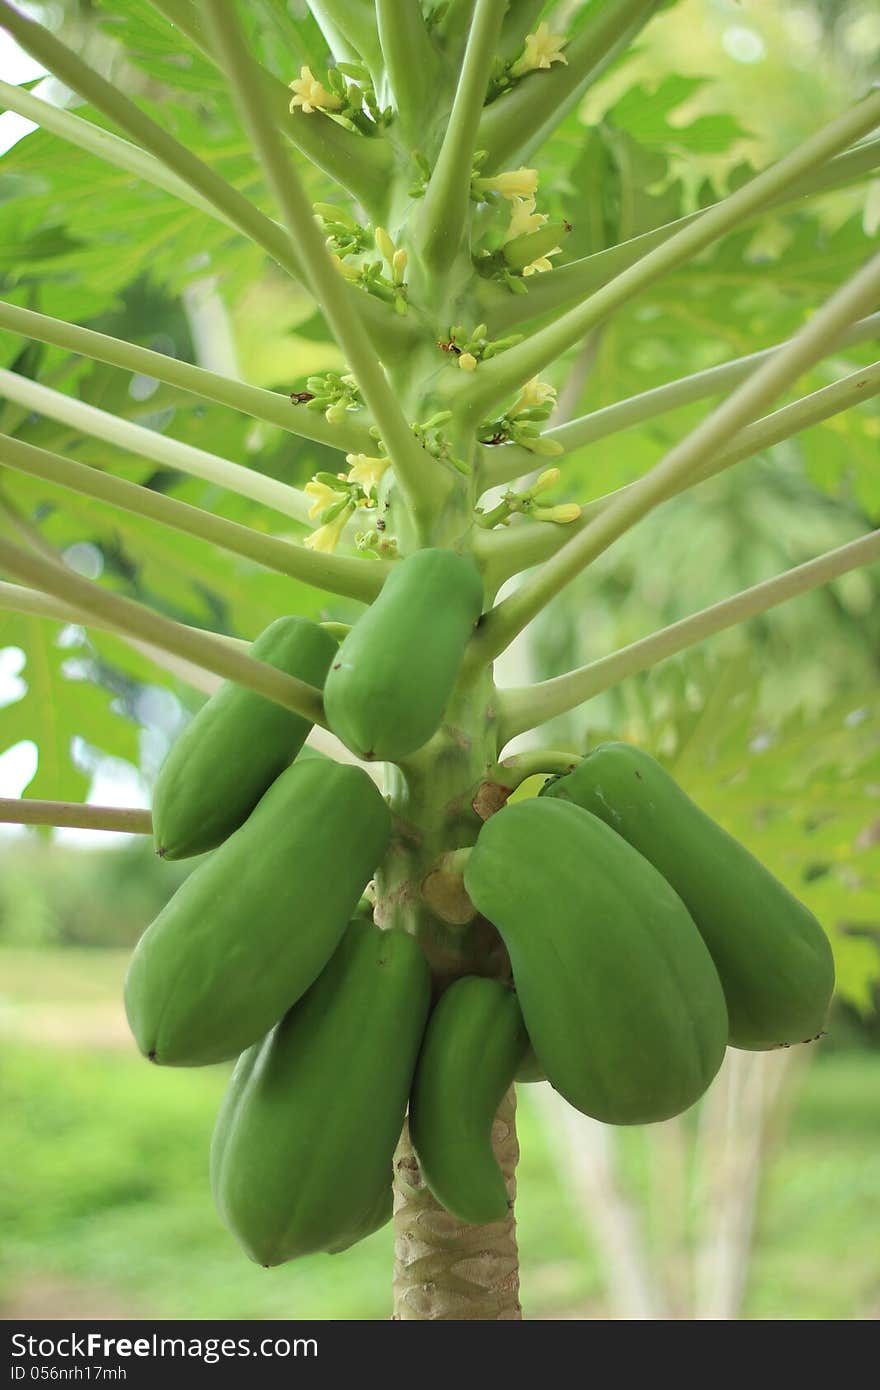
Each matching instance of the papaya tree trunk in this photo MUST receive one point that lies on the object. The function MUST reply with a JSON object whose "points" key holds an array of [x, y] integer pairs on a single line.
{"points": [[444, 1269]]}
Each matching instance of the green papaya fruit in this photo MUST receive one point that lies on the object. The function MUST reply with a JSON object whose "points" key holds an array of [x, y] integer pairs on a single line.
{"points": [[252, 927], [621, 1000], [392, 677], [235, 747], [473, 1043], [301, 1158], [772, 956]]}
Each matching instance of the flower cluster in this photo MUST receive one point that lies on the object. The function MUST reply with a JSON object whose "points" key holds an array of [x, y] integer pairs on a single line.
{"points": [[531, 238], [336, 498], [471, 348], [345, 236], [388, 284], [521, 422], [332, 393], [348, 98], [432, 439], [525, 504]]}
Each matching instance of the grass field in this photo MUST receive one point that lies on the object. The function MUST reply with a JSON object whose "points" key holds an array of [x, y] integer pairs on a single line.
{"points": [[105, 1207]]}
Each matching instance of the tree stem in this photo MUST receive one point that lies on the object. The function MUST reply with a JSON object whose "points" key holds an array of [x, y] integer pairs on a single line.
{"points": [[443, 216], [446, 1270], [130, 819], [410, 61], [414, 469], [526, 707]]}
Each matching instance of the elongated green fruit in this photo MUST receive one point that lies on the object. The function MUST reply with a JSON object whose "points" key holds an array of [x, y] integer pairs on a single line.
{"points": [[301, 1158], [392, 677], [473, 1044], [772, 956], [252, 927], [621, 1000], [236, 746]]}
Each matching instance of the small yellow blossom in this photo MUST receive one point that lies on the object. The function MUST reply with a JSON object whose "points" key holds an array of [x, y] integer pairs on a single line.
{"points": [[513, 183], [311, 94], [384, 245], [366, 470], [324, 497], [541, 262], [534, 392], [563, 515], [326, 538], [523, 218], [467, 361], [542, 48], [398, 266]]}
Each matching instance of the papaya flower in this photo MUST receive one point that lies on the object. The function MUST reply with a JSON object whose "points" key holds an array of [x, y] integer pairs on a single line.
{"points": [[513, 183], [326, 538], [366, 471], [311, 95], [534, 393], [541, 262], [523, 219], [324, 497], [542, 48], [467, 361]]}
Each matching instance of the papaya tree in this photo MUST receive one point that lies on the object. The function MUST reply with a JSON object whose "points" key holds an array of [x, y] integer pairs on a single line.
{"points": [[389, 158]]}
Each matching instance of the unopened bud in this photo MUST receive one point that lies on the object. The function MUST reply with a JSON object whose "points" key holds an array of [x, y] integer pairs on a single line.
{"points": [[384, 245]]}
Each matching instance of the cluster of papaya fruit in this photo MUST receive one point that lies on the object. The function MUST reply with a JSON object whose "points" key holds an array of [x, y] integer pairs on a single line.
{"points": [[261, 953], [642, 939]]}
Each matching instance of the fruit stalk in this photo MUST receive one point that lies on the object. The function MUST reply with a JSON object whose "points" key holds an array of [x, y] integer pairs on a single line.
{"points": [[444, 1269]]}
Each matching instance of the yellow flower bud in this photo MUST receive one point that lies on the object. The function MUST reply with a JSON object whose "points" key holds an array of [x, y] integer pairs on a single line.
{"points": [[563, 515], [311, 94], [467, 361], [398, 266], [549, 478], [384, 245], [513, 183]]}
